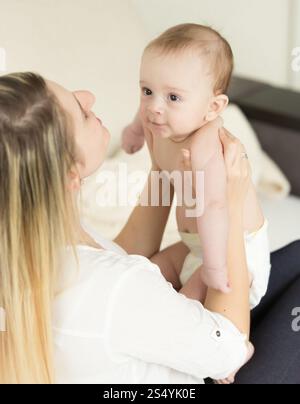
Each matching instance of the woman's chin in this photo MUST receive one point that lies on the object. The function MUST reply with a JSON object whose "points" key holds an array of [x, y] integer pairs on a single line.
{"points": [[107, 139], [107, 134]]}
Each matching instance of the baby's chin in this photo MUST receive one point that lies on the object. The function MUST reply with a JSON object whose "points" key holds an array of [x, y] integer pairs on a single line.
{"points": [[165, 132], [179, 138]]}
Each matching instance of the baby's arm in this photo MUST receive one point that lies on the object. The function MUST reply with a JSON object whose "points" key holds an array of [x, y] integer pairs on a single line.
{"points": [[133, 138], [207, 156]]}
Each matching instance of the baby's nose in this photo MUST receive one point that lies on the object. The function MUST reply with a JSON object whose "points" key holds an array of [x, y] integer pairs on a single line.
{"points": [[156, 107]]}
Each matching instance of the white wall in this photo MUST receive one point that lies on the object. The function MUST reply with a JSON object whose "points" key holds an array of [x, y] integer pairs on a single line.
{"points": [[81, 44], [258, 30]]}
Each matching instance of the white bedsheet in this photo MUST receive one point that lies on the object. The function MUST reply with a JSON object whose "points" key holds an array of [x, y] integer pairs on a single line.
{"points": [[284, 220]]}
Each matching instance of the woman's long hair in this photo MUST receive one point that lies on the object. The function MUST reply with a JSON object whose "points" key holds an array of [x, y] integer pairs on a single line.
{"points": [[37, 217]]}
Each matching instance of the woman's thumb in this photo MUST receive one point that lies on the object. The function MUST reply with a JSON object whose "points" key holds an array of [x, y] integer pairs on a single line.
{"points": [[186, 154]]}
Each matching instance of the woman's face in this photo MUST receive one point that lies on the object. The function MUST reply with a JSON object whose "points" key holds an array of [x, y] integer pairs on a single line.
{"points": [[91, 136]]}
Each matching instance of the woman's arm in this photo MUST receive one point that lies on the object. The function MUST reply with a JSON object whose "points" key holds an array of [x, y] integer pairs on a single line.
{"points": [[152, 322], [143, 233], [235, 305]]}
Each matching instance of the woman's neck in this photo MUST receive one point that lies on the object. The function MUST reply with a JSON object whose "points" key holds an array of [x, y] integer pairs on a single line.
{"points": [[84, 238]]}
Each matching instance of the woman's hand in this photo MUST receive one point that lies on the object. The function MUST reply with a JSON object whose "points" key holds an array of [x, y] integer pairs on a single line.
{"points": [[237, 167], [231, 379], [238, 171]]}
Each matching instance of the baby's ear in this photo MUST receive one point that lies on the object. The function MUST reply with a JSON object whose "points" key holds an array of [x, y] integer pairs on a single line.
{"points": [[216, 107]]}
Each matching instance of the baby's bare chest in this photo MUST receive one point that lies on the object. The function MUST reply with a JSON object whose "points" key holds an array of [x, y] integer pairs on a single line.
{"points": [[169, 158]]}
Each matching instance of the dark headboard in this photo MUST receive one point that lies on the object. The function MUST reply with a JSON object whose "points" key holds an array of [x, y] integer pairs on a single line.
{"points": [[274, 114]]}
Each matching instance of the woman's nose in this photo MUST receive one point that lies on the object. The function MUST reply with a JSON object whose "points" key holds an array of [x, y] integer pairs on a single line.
{"points": [[91, 99], [87, 99]]}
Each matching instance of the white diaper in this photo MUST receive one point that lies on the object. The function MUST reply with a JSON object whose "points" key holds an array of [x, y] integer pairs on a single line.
{"points": [[258, 259]]}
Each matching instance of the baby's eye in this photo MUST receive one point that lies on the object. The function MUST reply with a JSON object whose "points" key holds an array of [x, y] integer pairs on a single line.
{"points": [[146, 91], [174, 98]]}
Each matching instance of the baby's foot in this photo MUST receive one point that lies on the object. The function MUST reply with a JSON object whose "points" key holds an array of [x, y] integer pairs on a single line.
{"points": [[230, 379], [132, 140], [216, 279]]}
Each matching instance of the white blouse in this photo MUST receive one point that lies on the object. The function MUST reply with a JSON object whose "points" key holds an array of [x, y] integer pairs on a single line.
{"points": [[117, 320]]}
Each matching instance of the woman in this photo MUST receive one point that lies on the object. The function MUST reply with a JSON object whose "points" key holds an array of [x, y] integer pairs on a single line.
{"points": [[78, 308]]}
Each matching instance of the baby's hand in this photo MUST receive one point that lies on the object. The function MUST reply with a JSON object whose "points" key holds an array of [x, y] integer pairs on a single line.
{"points": [[133, 139]]}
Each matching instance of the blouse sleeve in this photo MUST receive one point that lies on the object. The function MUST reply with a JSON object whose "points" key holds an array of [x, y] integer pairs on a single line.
{"points": [[152, 322]]}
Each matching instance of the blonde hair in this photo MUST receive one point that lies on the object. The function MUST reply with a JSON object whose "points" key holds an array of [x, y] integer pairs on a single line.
{"points": [[204, 40], [37, 216]]}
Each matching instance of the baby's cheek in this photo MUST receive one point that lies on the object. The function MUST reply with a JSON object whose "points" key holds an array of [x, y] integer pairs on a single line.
{"points": [[180, 125], [143, 115], [195, 122]]}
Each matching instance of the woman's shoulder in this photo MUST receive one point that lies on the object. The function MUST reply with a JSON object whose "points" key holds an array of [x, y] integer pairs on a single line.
{"points": [[104, 267], [87, 288], [99, 239]]}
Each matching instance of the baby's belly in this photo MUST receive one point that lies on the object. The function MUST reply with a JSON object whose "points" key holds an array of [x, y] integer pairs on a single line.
{"points": [[185, 224]]}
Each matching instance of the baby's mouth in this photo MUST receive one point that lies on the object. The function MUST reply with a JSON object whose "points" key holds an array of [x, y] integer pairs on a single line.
{"points": [[157, 124]]}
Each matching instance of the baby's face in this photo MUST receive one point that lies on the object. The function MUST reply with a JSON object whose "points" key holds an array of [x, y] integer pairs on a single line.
{"points": [[175, 93]]}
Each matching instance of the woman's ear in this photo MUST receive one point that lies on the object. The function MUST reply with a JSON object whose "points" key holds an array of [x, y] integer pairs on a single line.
{"points": [[74, 182], [216, 107]]}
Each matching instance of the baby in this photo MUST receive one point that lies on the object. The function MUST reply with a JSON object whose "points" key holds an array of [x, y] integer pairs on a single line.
{"points": [[184, 77]]}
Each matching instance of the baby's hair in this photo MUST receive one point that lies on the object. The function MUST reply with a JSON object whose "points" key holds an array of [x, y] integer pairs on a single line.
{"points": [[205, 40]]}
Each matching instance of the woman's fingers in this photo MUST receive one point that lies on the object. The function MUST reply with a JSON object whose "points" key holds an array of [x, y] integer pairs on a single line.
{"points": [[224, 381], [237, 167], [234, 153], [226, 136], [186, 160]]}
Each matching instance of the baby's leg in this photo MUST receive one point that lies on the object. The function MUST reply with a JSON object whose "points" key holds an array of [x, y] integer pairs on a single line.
{"points": [[170, 262], [213, 225], [196, 289]]}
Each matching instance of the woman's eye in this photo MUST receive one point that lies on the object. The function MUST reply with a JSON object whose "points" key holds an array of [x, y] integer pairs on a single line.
{"points": [[174, 97], [146, 91]]}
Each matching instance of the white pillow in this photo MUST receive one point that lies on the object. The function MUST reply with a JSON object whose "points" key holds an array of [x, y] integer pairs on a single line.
{"points": [[273, 183], [266, 175], [110, 219], [236, 122]]}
